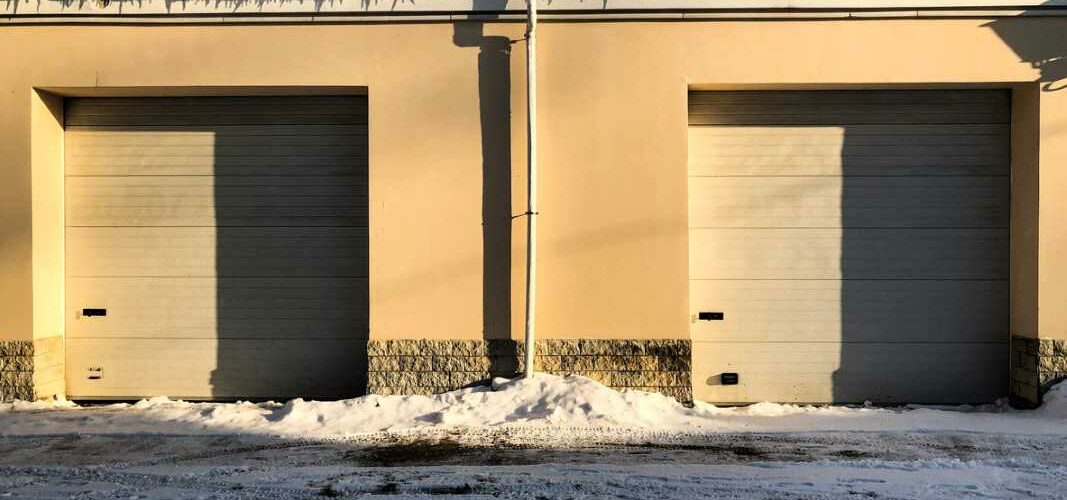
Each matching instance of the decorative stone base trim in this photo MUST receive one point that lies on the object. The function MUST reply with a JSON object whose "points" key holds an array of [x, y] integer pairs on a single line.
{"points": [[1035, 365], [31, 369], [16, 370], [433, 366], [662, 366]]}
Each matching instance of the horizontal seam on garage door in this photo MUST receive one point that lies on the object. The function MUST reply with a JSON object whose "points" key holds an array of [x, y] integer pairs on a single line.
{"points": [[111, 337], [849, 176], [848, 227], [228, 225], [847, 279], [908, 342]]}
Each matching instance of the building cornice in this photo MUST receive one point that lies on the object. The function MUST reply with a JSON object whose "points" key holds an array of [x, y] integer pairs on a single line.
{"points": [[303, 11]]}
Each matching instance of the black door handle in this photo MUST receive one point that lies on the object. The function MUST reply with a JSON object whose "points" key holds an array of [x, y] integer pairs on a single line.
{"points": [[710, 316], [90, 312]]}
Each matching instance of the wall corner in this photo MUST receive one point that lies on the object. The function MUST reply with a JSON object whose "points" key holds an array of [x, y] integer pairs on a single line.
{"points": [[41, 368]]}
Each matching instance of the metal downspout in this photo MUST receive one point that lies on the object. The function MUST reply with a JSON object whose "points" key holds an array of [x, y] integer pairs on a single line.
{"points": [[531, 185]]}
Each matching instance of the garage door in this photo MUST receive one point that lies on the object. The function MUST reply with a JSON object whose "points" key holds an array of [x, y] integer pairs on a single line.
{"points": [[856, 244], [216, 247]]}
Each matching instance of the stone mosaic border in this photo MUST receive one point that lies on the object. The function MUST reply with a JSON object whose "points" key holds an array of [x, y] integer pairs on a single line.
{"points": [[16, 370], [1035, 365], [29, 369], [434, 366]]}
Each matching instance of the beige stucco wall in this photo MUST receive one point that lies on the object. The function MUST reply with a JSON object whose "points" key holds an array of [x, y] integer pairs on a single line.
{"points": [[46, 182], [613, 151], [1052, 256]]}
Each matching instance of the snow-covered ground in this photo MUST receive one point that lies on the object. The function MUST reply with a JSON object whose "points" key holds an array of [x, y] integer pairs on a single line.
{"points": [[548, 437], [909, 480]]}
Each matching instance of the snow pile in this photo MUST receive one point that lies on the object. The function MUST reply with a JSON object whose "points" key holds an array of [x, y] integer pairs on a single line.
{"points": [[1055, 402], [545, 401]]}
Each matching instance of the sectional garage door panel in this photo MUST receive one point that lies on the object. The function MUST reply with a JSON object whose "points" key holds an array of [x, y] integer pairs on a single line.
{"points": [[928, 370], [863, 201], [217, 111], [189, 308], [850, 107], [863, 253], [219, 233], [852, 223], [92, 142], [914, 149], [207, 200], [297, 252], [811, 311], [253, 366]]}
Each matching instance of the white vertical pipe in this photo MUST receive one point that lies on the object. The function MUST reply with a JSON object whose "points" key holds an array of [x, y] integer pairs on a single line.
{"points": [[531, 183]]}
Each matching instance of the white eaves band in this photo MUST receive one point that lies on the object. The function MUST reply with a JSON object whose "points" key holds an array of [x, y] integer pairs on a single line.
{"points": [[450, 9]]}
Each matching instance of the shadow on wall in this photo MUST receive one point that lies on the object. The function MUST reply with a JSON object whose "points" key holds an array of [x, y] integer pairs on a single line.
{"points": [[1038, 42], [924, 247], [494, 109], [291, 247]]}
